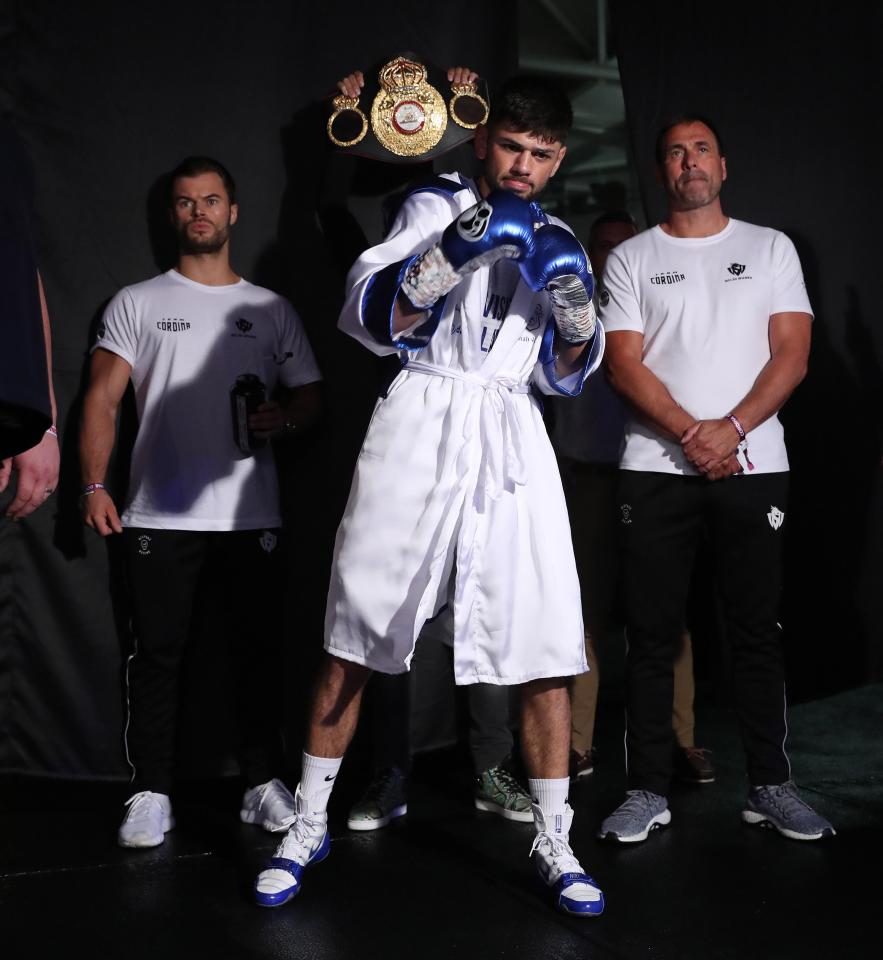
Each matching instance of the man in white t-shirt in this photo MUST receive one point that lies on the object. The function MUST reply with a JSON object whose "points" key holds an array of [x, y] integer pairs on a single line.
{"points": [[709, 333], [203, 499]]}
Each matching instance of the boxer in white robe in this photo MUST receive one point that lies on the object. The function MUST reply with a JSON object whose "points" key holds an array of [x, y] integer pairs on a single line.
{"points": [[487, 302], [457, 471]]}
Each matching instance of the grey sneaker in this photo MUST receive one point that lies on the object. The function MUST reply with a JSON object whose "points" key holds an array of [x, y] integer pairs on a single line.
{"points": [[632, 821], [147, 821], [780, 806], [269, 805], [497, 791], [383, 801]]}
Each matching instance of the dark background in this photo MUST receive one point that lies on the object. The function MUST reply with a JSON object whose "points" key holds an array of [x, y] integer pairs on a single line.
{"points": [[792, 87], [108, 96]]}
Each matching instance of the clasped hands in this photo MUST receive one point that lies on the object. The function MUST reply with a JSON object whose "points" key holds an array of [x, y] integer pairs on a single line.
{"points": [[710, 445]]}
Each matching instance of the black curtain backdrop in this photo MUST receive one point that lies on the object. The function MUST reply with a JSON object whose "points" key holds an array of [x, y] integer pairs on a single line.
{"points": [[794, 88], [108, 97]]}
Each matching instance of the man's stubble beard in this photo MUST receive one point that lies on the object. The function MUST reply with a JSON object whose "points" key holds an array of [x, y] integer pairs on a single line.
{"points": [[196, 245], [684, 203]]}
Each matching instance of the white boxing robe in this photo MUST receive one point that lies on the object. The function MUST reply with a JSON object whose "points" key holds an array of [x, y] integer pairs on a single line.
{"points": [[457, 473]]}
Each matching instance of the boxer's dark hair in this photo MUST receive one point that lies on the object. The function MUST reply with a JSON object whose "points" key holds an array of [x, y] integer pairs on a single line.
{"points": [[194, 166], [676, 122], [534, 105]]}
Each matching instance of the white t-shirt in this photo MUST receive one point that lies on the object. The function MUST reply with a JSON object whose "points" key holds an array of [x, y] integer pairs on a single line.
{"points": [[187, 343], [703, 306]]}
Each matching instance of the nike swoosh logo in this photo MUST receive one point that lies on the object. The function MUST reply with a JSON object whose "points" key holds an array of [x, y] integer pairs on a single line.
{"points": [[331, 777]]}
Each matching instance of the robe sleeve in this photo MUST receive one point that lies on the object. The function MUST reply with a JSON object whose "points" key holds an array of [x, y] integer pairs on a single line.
{"points": [[375, 278], [545, 376]]}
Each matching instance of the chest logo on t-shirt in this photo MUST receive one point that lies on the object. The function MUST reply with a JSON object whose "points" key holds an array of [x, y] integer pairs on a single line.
{"points": [[172, 325], [666, 277], [738, 272], [244, 327]]}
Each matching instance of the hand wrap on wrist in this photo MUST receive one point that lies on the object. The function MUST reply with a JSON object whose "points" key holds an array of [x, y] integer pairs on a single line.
{"points": [[573, 309], [429, 278]]}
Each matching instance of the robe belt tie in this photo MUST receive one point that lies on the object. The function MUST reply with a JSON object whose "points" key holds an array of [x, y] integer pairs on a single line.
{"points": [[502, 461]]}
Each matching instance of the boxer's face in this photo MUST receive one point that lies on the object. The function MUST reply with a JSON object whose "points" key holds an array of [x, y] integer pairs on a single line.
{"points": [[692, 169], [519, 162], [202, 213]]}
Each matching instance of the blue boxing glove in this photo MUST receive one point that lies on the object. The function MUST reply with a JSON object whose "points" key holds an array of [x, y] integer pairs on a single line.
{"points": [[559, 266], [500, 226]]}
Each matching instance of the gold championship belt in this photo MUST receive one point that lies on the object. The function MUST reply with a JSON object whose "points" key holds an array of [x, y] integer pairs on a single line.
{"points": [[409, 117]]}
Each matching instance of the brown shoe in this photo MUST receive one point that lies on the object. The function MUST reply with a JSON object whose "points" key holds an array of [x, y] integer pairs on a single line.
{"points": [[691, 764], [581, 763]]}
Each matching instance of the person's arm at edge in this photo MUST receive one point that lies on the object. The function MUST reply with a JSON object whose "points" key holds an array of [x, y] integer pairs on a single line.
{"points": [[38, 467], [47, 339]]}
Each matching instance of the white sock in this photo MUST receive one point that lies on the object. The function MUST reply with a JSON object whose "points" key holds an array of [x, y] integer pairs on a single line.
{"points": [[317, 780], [550, 796]]}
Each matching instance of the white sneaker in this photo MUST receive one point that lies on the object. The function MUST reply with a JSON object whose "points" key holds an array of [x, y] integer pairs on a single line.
{"points": [[269, 805], [575, 892], [147, 820], [306, 843]]}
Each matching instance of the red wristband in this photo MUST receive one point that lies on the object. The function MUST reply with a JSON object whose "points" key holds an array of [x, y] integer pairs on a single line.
{"points": [[743, 440], [732, 418]]}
